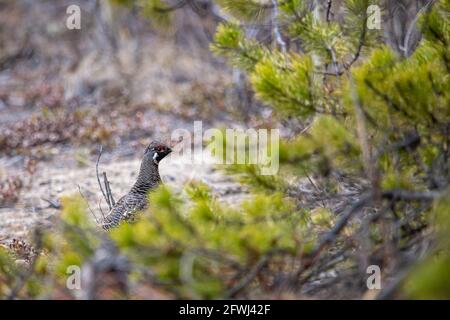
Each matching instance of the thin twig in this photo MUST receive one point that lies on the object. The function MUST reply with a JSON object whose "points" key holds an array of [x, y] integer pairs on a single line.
{"points": [[87, 202], [340, 224], [329, 4], [407, 195], [262, 262], [362, 39], [108, 190], [314, 185], [52, 203], [98, 178], [100, 208]]}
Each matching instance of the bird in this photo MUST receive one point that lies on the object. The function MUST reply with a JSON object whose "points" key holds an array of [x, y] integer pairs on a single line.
{"points": [[136, 199]]}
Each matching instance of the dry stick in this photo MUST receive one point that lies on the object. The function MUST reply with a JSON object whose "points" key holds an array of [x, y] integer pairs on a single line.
{"points": [[52, 203], [100, 208], [218, 257], [87, 202], [250, 276], [329, 4], [315, 186], [108, 190], [98, 178], [342, 222], [362, 39], [407, 195]]}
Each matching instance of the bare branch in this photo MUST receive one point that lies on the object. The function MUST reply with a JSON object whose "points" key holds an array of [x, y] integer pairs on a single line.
{"points": [[328, 15], [100, 208], [98, 178], [362, 39], [108, 190], [340, 224], [262, 262], [407, 195], [87, 202]]}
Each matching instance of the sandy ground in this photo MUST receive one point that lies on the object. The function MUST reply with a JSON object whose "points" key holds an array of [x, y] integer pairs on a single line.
{"points": [[62, 176]]}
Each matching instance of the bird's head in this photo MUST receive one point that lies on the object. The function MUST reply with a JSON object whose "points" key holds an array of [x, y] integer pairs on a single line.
{"points": [[157, 151]]}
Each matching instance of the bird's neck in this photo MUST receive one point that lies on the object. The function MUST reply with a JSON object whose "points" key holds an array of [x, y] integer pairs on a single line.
{"points": [[148, 177]]}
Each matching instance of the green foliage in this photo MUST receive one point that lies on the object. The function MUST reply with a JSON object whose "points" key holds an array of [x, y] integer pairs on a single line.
{"points": [[193, 246], [286, 82], [248, 10], [9, 272], [229, 41], [354, 29], [431, 279], [213, 237]]}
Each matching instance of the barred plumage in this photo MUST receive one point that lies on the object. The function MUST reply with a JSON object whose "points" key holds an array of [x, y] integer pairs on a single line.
{"points": [[136, 199]]}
